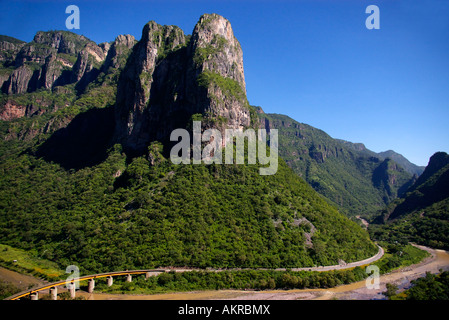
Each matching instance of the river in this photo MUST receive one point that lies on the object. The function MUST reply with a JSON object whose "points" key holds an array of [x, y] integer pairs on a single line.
{"points": [[439, 259]]}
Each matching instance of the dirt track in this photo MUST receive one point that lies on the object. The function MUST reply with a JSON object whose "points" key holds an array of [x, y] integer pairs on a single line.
{"points": [[19, 280]]}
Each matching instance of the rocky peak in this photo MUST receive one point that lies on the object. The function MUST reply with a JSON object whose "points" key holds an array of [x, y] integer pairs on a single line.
{"points": [[62, 41], [436, 162], [133, 91], [217, 49], [47, 61], [117, 51], [105, 46], [218, 59], [9, 47], [81, 66], [126, 40], [169, 77]]}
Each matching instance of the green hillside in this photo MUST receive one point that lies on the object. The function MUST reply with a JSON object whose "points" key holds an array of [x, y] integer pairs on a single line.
{"points": [[422, 214], [358, 182], [122, 216], [71, 191]]}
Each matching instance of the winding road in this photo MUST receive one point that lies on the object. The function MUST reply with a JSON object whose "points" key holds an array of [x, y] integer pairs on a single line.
{"points": [[438, 260], [152, 272]]}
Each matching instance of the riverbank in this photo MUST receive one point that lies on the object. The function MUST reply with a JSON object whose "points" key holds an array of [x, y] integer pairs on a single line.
{"points": [[437, 260]]}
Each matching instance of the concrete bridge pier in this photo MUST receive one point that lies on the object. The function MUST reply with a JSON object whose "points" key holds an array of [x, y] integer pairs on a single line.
{"points": [[110, 281], [91, 286], [54, 293], [129, 278], [147, 275], [35, 296], [72, 290]]}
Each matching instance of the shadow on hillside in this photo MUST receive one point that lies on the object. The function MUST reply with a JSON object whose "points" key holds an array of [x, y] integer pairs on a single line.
{"points": [[83, 143]]}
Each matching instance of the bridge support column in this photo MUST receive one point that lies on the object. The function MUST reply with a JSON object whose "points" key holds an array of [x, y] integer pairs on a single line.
{"points": [[54, 293], [129, 278], [35, 296], [147, 275], [91, 286], [110, 281], [72, 290]]}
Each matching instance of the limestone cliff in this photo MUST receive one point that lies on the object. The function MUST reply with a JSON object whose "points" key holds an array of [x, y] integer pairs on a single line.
{"points": [[62, 63], [52, 59], [170, 76], [162, 80]]}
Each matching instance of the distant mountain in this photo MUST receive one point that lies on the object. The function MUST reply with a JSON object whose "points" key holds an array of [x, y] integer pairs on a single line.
{"points": [[396, 157], [431, 187], [422, 213], [357, 180], [436, 166], [4, 38], [402, 161]]}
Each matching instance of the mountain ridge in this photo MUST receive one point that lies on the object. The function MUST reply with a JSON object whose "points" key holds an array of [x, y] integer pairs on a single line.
{"points": [[148, 104], [396, 157], [420, 214], [68, 174], [351, 176]]}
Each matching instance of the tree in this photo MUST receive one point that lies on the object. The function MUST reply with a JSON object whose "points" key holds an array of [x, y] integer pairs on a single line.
{"points": [[391, 290]]}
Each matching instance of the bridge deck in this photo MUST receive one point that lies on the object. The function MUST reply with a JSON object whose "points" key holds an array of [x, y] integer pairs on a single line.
{"points": [[83, 278]]}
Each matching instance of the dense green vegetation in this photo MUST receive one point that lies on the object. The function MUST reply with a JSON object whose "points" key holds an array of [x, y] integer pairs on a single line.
{"points": [[403, 162], [69, 196], [430, 287], [431, 187], [195, 215], [229, 87], [7, 289], [429, 227], [244, 279], [397, 256], [422, 214], [27, 262], [354, 179]]}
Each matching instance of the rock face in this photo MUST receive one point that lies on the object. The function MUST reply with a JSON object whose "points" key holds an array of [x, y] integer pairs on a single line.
{"points": [[117, 51], [162, 80], [11, 111], [169, 77], [9, 47], [219, 56], [19, 80], [52, 59]]}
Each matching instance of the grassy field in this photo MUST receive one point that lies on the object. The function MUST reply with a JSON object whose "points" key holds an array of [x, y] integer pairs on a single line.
{"points": [[26, 262]]}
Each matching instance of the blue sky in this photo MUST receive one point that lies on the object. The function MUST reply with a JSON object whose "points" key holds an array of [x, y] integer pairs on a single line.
{"points": [[313, 60]]}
